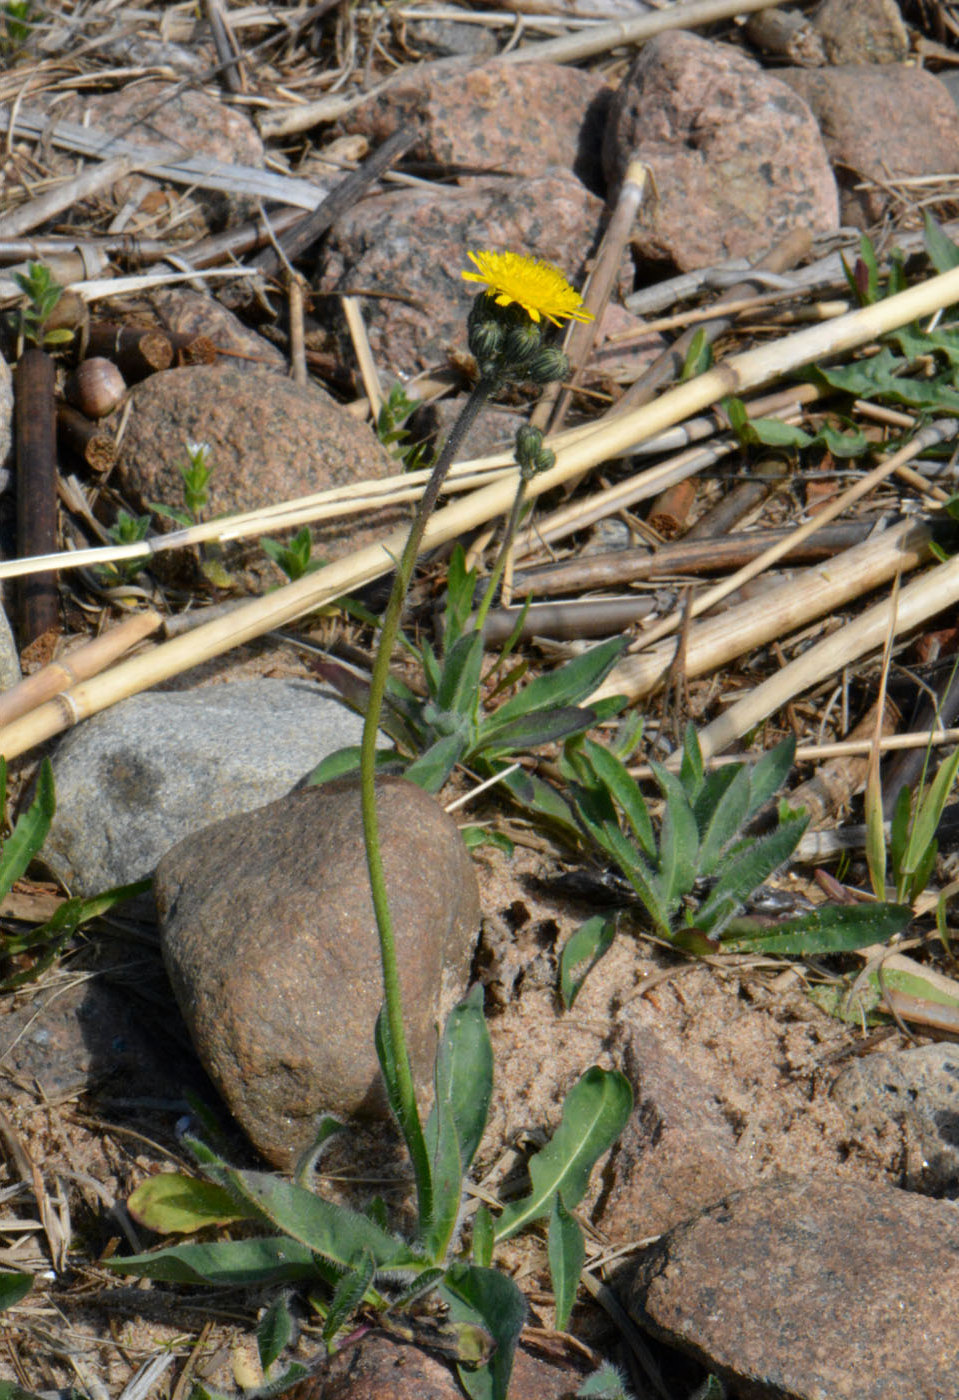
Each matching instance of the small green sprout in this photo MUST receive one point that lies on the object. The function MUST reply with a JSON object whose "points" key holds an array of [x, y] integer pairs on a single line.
{"points": [[196, 472], [392, 432], [42, 293], [293, 558], [128, 529]]}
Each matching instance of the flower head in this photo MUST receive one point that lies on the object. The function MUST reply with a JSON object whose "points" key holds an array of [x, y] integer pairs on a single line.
{"points": [[538, 287]]}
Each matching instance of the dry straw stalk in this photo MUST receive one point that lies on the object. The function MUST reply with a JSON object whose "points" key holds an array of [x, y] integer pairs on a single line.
{"points": [[614, 434]]}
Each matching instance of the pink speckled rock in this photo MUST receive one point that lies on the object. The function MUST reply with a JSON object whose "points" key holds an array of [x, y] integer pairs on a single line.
{"points": [[737, 158]]}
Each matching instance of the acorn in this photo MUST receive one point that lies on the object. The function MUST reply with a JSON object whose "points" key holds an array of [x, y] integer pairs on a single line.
{"points": [[95, 387]]}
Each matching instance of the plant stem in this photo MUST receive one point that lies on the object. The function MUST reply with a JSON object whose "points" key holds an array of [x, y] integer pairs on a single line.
{"points": [[396, 1039], [512, 525]]}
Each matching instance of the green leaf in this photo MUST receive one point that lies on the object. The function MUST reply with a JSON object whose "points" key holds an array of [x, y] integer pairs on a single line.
{"points": [[568, 685], [691, 771], [13, 1286], [459, 685], [483, 1237], [475, 836], [625, 791], [433, 767], [834, 928], [347, 760], [899, 830], [581, 952], [594, 1115], [605, 1384], [460, 587], [347, 1296], [30, 831], [333, 1231], [928, 815], [491, 1300], [532, 731], [172, 1203], [235, 1263], [567, 1251], [720, 812], [463, 1087], [542, 800], [9, 1390], [746, 869], [768, 773], [274, 1331], [678, 840], [943, 253], [699, 357]]}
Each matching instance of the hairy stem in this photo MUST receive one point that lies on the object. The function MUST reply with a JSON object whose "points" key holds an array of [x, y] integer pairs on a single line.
{"points": [[396, 1035]]}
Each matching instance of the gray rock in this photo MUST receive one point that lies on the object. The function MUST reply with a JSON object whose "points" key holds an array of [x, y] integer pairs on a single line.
{"points": [[917, 1091], [10, 673], [159, 767], [677, 1153], [862, 31], [269, 939], [812, 1290]]}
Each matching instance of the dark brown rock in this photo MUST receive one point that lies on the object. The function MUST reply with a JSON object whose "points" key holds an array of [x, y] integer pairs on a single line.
{"points": [[879, 123], [270, 441], [862, 31], [412, 244], [518, 118], [677, 1153], [738, 162], [812, 1290], [269, 939], [377, 1367]]}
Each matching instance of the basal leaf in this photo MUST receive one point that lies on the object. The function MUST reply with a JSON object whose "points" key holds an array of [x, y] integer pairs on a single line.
{"points": [[236, 1263], [274, 1331], [624, 790], [678, 840], [172, 1203], [567, 1251], [491, 1300], [833, 928], [768, 773], [594, 1115], [532, 731], [720, 812], [30, 831], [483, 1237], [568, 685], [432, 768], [744, 872], [14, 1286], [581, 952], [943, 253], [459, 685], [347, 1296]]}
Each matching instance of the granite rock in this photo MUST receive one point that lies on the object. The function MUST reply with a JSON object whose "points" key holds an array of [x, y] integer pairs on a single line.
{"points": [[811, 1290], [157, 768], [269, 939], [738, 161]]}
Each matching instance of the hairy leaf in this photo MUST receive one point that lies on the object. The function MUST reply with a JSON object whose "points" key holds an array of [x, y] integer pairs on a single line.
{"points": [[581, 952], [567, 1251]]}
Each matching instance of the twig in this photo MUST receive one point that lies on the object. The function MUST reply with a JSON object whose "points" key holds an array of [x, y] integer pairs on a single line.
{"points": [[63, 196], [94, 444], [34, 384], [227, 48]]}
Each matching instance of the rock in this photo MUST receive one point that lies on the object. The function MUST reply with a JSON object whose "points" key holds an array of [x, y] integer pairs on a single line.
{"points": [[270, 441], [377, 1366], [677, 1153], [133, 781], [6, 423], [879, 123], [414, 242], [157, 112], [738, 162], [862, 31], [270, 943], [917, 1093], [185, 312], [520, 119], [446, 37], [10, 673], [812, 1290]]}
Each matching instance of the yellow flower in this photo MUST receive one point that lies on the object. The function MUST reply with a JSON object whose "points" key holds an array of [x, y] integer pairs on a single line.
{"points": [[538, 287]]}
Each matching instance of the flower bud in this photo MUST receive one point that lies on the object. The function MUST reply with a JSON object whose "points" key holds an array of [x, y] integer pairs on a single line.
{"points": [[531, 456], [523, 341], [546, 365], [485, 333]]}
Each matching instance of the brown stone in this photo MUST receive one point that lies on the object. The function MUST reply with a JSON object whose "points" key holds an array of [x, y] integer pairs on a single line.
{"points": [[738, 162], [879, 123], [677, 1153], [862, 31], [269, 939], [189, 313], [378, 1368], [812, 1290], [270, 441], [518, 118]]}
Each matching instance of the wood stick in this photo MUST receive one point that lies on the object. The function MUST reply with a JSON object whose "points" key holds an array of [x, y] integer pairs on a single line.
{"points": [[685, 556], [85, 661], [748, 370], [87, 439], [667, 515], [64, 195], [715, 524], [593, 617], [778, 611], [138, 352], [34, 384], [923, 598], [573, 47]]}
